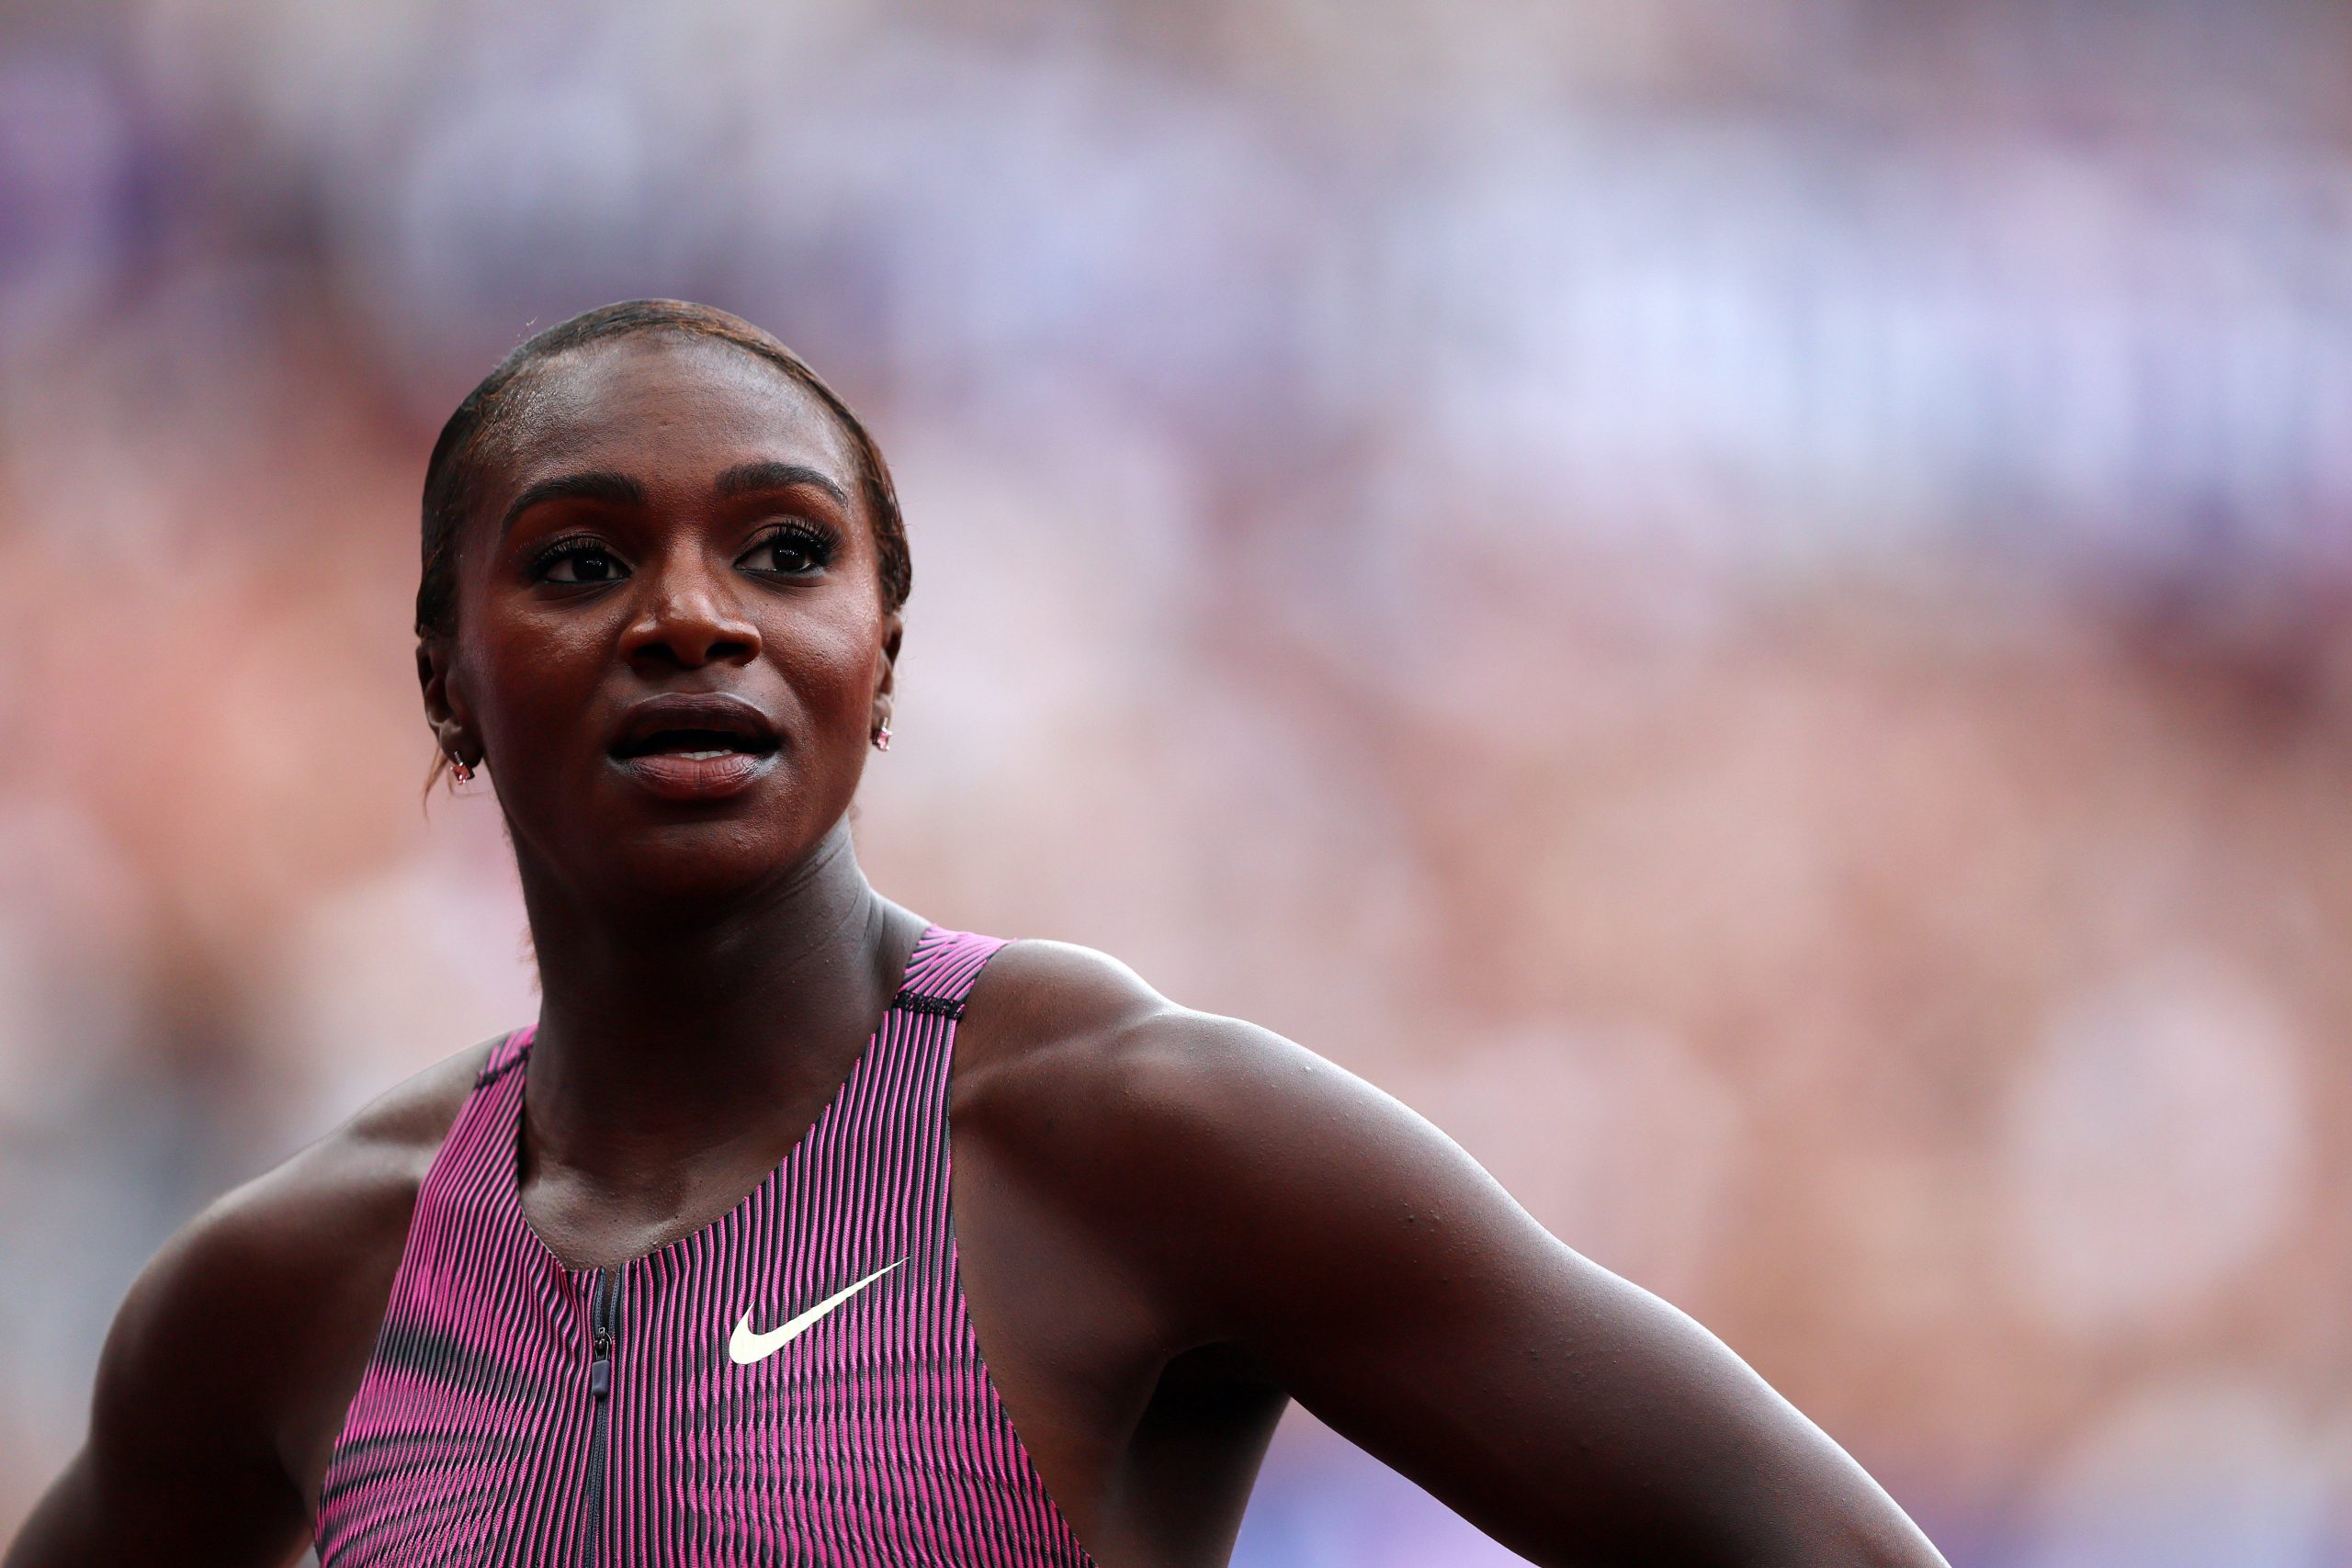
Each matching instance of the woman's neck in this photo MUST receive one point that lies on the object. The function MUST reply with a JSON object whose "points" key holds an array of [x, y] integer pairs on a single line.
{"points": [[670, 1041]]}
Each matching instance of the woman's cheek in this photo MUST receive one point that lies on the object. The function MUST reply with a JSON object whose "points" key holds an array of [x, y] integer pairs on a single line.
{"points": [[541, 684], [831, 667]]}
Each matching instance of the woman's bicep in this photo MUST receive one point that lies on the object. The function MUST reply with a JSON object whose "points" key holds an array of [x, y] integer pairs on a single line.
{"points": [[177, 1465], [1386, 1280]]}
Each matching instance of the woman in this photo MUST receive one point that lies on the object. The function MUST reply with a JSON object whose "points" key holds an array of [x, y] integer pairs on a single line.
{"points": [[671, 1275]]}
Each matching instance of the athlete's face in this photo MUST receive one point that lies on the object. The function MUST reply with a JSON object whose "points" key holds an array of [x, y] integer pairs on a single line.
{"points": [[671, 647]]}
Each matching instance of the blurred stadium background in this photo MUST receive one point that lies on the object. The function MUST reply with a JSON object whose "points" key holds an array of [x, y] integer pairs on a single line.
{"points": [[1745, 602]]}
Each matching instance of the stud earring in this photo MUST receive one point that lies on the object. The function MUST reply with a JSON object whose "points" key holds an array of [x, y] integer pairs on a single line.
{"points": [[882, 736], [460, 771]]}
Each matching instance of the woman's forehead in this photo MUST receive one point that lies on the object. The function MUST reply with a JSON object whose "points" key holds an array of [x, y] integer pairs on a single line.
{"points": [[665, 400]]}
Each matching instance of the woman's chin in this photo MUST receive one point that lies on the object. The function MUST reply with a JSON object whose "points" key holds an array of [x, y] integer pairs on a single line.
{"points": [[673, 869]]}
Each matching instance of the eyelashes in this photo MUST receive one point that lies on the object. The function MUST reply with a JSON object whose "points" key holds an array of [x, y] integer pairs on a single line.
{"points": [[580, 548], [795, 548], [813, 547]]}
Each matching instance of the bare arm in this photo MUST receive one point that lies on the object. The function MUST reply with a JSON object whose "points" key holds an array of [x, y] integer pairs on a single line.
{"points": [[1378, 1273], [1575, 1416], [224, 1377], [178, 1465]]}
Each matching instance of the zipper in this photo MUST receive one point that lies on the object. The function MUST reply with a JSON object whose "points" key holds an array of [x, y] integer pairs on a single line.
{"points": [[604, 1312]]}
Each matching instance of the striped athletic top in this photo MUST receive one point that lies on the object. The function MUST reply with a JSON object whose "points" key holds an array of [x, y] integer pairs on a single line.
{"points": [[795, 1383]]}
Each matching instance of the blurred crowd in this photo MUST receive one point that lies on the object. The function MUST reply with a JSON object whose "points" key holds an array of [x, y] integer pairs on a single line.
{"points": [[1744, 604]]}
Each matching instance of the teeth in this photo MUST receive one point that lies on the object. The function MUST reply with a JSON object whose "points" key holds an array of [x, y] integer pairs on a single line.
{"points": [[705, 756]]}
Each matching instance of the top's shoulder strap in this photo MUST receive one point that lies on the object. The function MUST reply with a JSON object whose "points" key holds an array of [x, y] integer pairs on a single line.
{"points": [[504, 1053], [941, 974]]}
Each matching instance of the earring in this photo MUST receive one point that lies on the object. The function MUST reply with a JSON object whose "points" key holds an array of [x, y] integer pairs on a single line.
{"points": [[459, 771], [882, 736]]}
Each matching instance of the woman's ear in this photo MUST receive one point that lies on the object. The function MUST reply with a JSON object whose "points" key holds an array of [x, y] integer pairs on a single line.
{"points": [[444, 709], [893, 628]]}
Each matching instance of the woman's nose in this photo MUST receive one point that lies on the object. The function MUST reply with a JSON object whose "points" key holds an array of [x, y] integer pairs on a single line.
{"points": [[688, 616]]}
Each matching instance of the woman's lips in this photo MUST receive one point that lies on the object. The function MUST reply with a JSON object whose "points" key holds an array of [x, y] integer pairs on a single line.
{"points": [[683, 775]]}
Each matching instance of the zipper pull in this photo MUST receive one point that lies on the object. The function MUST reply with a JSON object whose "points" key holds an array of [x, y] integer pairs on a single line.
{"points": [[601, 1305]]}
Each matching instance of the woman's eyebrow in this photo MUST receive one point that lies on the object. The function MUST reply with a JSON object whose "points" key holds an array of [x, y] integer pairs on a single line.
{"points": [[597, 484], [745, 477]]}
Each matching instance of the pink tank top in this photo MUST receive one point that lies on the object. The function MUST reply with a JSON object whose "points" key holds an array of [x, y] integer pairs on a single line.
{"points": [[795, 1383]]}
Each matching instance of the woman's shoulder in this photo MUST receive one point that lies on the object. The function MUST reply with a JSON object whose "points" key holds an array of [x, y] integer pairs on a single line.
{"points": [[1227, 1173], [1060, 1013], [358, 1178], [1075, 1057]]}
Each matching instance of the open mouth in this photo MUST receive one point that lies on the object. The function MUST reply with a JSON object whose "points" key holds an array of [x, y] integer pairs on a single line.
{"points": [[696, 745]]}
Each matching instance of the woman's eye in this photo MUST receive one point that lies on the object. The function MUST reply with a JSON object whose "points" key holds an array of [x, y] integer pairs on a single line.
{"points": [[791, 552], [580, 563]]}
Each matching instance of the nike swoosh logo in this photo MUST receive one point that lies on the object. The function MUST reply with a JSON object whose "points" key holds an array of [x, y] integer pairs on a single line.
{"points": [[744, 1347]]}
